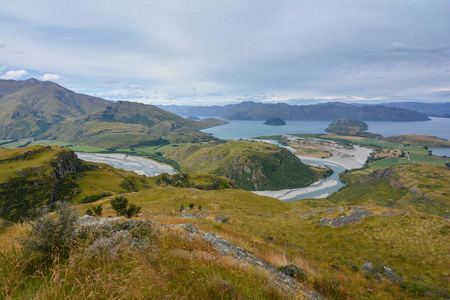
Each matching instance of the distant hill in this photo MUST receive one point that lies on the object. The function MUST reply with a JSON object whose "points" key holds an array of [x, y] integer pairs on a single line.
{"points": [[45, 110], [430, 109], [30, 107], [249, 110], [129, 124], [252, 165]]}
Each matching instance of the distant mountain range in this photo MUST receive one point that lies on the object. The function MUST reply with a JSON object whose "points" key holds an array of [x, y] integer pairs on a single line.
{"points": [[249, 110], [430, 109], [46, 110]]}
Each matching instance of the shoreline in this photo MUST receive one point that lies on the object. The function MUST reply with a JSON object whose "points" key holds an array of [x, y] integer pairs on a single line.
{"points": [[287, 194]]}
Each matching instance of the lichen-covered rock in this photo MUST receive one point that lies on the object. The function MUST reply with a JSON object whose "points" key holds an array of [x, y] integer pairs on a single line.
{"points": [[222, 219], [391, 275], [293, 271], [345, 220], [193, 216], [368, 267]]}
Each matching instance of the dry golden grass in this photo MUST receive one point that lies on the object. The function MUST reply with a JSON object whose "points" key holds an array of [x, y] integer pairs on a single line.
{"points": [[10, 236]]}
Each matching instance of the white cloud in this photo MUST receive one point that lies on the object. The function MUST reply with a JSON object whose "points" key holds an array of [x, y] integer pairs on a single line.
{"points": [[50, 77], [14, 74]]}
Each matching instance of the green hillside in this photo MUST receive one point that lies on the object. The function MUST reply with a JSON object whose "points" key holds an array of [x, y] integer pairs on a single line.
{"points": [[423, 188], [34, 176], [252, 165], [126, 124]]}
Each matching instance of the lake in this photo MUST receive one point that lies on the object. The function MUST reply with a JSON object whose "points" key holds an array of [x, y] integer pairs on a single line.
{"points": [[244, 129]]}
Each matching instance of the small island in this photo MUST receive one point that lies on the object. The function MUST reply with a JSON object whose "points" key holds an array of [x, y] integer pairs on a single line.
{"points": [[275, 122], [350, 128]]}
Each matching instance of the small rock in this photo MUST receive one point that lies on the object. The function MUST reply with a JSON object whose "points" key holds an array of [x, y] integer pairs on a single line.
{"points": [[192, 216], [222, 219], [391, 275], [293, 271], [345, 220], [368, 267]]}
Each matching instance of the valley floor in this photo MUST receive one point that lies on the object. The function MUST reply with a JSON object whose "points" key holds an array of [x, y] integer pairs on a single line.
{"points": [[347, 158]]}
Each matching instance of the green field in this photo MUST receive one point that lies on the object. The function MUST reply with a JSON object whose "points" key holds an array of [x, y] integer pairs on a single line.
{"points": [[420, 155]]}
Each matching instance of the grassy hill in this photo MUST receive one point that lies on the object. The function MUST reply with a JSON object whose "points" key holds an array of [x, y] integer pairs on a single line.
{"points": [[422, 188], [35, 176], [127, 124], [252, 165]]}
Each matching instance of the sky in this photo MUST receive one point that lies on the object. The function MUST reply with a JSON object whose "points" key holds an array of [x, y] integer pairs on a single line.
{"points": [[205, 52]]}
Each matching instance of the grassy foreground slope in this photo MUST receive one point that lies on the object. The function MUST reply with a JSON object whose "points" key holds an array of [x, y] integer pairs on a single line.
{"points": [[414, 245], [252, 165]]}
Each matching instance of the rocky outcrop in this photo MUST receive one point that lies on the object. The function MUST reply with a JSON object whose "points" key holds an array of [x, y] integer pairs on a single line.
{"points": [[192, 216], [381, 270], [37, 183], [65, 163], [357, 216], [241, 258]]}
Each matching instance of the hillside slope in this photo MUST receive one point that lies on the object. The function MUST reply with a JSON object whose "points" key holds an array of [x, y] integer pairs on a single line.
{"points": [[422, 188], [252, 165], [129, 124], [30, 107], [45, 110], [32, 177]]}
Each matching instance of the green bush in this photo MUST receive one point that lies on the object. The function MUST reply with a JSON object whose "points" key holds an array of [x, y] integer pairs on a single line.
{"points": [[122, 208], [97, 210], [119, 204]]}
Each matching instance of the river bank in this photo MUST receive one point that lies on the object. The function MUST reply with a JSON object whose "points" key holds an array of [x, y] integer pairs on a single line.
{"points": [[342, 159], [137, 164]]}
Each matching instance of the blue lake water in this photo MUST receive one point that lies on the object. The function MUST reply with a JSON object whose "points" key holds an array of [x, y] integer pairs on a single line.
{"points": [[238, 129], [440, 151]]}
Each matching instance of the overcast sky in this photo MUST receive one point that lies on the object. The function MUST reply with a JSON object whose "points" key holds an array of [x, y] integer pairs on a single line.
{"points": [[225, 51]]}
